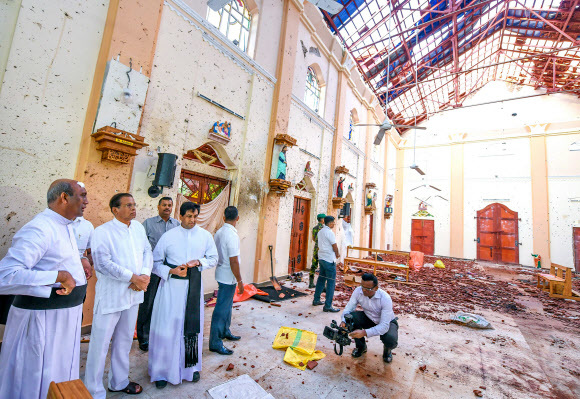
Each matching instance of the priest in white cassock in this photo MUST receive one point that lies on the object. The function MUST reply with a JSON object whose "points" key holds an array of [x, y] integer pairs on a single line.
{"points": [[123, 261], [43, 270], [176, 336]]}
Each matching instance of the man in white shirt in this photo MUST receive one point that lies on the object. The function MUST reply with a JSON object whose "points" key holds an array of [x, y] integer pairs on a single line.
{"points": [[83, 230], [155, 227], [43, 270], [327, 256], [228, 277], [376, 318], [176, 335], [123, 262]]}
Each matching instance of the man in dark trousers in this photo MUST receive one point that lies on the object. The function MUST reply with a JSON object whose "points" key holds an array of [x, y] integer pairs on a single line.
{"points": [[327, 256], [229, 278], [315, 231], [154, 227], [376, 318]]}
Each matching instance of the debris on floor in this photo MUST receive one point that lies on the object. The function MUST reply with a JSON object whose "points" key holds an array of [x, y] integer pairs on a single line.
{"points": [[242, 387]]}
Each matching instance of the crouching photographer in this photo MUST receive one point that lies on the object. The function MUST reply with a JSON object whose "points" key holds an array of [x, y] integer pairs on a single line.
{"points": [[376, 318]]}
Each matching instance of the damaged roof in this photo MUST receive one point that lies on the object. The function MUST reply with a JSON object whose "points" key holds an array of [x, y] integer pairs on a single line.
{"points": [[423, 56]]}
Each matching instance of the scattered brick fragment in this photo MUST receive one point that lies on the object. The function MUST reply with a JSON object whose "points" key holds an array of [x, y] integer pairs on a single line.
{"points": [[230, 367], [311, 364], [301, 364], [482, 387], [423, 368], [477, 393]]}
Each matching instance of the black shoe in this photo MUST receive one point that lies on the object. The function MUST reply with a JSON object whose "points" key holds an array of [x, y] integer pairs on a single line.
{"points": [[357, 352], [317, 303], [232, 337], [160, 384], [196, 376], [222, 351], [144, 346], [332, 310], [311, 282], [387, 355]]}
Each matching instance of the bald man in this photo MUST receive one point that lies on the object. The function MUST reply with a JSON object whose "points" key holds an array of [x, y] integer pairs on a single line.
{"points": [[43, 270]]}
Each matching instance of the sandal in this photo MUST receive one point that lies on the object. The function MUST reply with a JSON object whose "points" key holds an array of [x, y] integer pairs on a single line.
{"points": [[132, 389]]}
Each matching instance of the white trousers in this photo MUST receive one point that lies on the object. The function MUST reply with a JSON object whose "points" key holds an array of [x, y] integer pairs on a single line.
{"points": [[120, 327], [39, 346]]}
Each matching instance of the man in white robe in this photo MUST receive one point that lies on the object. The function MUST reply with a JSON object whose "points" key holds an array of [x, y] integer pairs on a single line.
{"points": [[175, 343], [43, 269], [123, 261], [83, 230]]}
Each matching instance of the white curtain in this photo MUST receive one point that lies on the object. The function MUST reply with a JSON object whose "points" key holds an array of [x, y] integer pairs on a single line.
{"points": [[211, 216]]}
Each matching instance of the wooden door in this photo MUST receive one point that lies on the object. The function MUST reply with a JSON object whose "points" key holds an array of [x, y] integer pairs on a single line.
{"points": [[299, 235], [576, 241], [497, 234], [371, 226], [423, 236]]}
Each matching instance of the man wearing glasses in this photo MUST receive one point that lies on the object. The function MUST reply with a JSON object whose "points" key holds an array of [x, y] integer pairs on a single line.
{"points": [[376, 318], [123, 262]]}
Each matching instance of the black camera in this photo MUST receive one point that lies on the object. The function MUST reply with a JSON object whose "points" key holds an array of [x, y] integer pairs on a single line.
{"points": [[339, 334]]}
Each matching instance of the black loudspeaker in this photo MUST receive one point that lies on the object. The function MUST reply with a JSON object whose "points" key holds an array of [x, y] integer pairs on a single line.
{"points": [[345, 211], [165, 173]]}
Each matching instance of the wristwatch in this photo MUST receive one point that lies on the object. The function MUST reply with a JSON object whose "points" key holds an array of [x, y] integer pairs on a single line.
{"points": [[84, 257]]}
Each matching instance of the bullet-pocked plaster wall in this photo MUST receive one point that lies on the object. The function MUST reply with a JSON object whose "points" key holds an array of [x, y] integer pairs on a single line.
{"points": [[189, 60], [43, 99], [564, 195]]}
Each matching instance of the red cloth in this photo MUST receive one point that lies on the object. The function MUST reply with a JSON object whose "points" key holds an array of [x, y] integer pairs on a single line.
{"points": [[249, 291]]}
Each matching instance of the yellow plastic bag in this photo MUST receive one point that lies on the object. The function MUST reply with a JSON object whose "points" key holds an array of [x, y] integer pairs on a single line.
{"points": [[299, 359], [439, 264], [301, 340]]}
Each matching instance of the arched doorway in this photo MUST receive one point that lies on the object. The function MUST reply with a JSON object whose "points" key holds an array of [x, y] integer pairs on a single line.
{"points": [[298, 256], [497, 234]]}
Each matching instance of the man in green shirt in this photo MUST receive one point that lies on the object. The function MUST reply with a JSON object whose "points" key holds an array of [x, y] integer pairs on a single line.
{"points": [[315, 231]]}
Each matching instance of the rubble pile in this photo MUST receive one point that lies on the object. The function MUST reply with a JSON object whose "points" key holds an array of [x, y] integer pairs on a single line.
{"points": [[465, 286]]}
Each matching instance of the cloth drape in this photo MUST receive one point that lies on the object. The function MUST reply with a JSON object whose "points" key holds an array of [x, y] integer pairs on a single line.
{"points": [[211, 215]]}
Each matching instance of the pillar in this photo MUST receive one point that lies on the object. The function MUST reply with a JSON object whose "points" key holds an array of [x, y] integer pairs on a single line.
{"points": [[398, 200], [279, 119], [456, 216], [540, 208]]}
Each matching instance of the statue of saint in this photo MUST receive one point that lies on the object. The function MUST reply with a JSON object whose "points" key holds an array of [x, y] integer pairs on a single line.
{"points": [[281, 173], [369, 198], [339, 189]]}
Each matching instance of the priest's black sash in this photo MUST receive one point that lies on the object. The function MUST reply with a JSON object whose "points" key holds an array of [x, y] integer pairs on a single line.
{"points": [[191, 326]]}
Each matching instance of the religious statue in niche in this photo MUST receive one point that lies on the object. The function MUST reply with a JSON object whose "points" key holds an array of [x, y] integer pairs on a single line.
{"points": [[374, 201], [281, 172], [369, 198], [221, 132], [388, 208], [339, 187], [350, 188], [422, 206], [307, 171]]}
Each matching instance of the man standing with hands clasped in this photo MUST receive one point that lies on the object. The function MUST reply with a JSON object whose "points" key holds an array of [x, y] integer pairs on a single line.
{"points": [[123, 261], [228, 277], [376, 318], [176, 336]]}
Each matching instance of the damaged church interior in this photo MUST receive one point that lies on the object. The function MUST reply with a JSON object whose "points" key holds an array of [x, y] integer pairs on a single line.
{"points": [[254, 166]]}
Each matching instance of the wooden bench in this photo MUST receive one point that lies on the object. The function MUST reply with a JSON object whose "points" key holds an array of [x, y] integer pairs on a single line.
{"points": [[402, 269], [74, 389], [558, 283]]}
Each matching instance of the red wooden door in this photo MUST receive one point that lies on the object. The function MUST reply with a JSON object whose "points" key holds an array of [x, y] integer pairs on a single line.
{"points": [[299, 235], [576, 240], [371, 226], [497, 234], [423, 236]]}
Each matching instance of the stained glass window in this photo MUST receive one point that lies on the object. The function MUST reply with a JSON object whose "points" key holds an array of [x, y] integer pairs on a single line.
{"points": [[350, 127], [312, 96], [233, 20]]}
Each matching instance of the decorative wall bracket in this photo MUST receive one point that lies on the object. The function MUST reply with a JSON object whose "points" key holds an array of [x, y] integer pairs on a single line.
{"points": [[118, 145], [371, 186], [285, 139], [341, 170], [369, 210], [338, 203], [279, 186]]}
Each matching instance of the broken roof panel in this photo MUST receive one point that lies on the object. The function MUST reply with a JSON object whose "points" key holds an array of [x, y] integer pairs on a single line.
{"points": [[422, 56]]}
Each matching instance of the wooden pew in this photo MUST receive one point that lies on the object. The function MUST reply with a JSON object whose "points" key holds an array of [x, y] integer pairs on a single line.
{"points": [[74, 389], [375, 265], [558, 283]]}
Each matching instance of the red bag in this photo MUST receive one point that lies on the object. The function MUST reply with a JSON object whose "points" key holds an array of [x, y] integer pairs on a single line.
{"points": [[416, 261]]}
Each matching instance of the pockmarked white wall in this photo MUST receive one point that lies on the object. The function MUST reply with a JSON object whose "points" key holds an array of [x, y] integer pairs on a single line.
{"points": [[563, 158], [190, 60], [49, 74]]}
